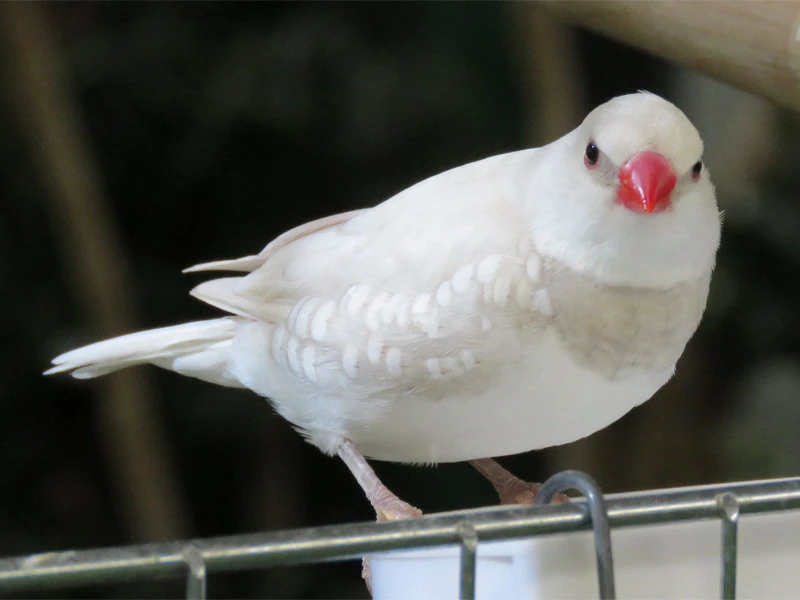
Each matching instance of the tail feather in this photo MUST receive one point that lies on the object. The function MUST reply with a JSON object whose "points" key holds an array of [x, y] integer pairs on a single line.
{"points": [[199, 349], [223, 293], [246, 264]]}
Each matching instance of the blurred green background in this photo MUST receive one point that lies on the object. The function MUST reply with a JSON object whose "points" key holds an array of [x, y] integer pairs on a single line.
{"points": [[201, 131]]}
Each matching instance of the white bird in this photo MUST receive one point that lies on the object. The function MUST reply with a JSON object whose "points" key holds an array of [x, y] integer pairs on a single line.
{"points": [[514, 303]]}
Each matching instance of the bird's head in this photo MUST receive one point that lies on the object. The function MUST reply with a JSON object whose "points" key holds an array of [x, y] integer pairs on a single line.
{"points": [[626, 196]]}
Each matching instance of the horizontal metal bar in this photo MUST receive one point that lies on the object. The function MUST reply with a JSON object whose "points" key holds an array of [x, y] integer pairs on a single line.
{"points": [[342, 542]]}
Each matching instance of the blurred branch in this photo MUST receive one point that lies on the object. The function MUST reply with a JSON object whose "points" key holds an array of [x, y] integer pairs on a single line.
{"points": [[551, 72], [752, 44], [129, 425]]}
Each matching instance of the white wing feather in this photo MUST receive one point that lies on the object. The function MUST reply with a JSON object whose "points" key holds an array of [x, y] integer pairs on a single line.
{"points": [[411, 242], [248, 264]]}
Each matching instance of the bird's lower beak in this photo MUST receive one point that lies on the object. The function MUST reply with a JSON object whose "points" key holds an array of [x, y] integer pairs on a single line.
{"points": [[646, 182]]}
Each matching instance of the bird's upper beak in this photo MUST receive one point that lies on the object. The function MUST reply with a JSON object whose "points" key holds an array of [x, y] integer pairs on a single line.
{"points": [[646, 182]]}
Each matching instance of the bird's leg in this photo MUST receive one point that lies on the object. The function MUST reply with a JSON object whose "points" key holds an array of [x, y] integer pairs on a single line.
{"points": [[511, 489], [388, 507]]}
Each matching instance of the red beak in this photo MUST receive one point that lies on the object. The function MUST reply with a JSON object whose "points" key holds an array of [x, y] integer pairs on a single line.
{"points": [[646, 182]]}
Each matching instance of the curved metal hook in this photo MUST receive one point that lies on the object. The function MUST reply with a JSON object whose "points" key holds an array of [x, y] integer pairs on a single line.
{"points": [[598, 514]]}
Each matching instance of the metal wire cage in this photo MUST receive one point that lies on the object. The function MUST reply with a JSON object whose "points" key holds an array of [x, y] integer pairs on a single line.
{"points": [[195, 559]]}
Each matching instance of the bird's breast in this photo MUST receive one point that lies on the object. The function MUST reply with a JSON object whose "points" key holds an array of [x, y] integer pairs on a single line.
{"points": [[621, 330]]}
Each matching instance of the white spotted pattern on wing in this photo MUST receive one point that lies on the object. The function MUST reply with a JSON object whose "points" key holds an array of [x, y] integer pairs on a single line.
{"points": [[487, 269], [444, 294], [350, 361], [374, 350], [462, 280], [291, 352], [434, 368], [309, 364], [502, 287], [321, 320], [421, 303], [373, 336], [468, 359], [404, 313], [373, 316], [394, 362], [292, 318], [431, 324], [303, 317], [358, 296], [390, 309]]}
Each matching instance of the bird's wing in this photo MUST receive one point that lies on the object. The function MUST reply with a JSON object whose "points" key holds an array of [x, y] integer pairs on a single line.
{"points": [[410, 293], [412, 242], [247, 264]]}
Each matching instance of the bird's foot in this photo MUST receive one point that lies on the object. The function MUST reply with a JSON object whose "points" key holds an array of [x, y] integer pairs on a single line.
{"points": [[388, 507], [524, 492], [397, 510], [510, 488], [391, 508]]}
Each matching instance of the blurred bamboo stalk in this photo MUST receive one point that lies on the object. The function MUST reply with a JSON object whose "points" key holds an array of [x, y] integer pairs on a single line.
{"points": [[551, 73], [91, 253], [752, 44]]}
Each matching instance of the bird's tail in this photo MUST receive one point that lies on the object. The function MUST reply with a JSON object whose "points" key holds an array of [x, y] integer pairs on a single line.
{"points": [[200, 349]]}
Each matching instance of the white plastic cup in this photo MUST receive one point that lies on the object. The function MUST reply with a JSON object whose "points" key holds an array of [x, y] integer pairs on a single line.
{"points": [[665, 561], [504, 571]]}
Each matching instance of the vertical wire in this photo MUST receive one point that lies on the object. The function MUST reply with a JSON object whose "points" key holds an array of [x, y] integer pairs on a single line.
{"points": [[196, 578], [469, 550], [728, 505]]}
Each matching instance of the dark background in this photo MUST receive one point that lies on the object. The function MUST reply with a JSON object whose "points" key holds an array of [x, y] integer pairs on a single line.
{"points": [[208, 129]]}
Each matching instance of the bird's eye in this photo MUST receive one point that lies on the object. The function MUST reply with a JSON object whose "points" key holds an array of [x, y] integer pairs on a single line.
{"points": [[592, 155], [697, 168]]}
